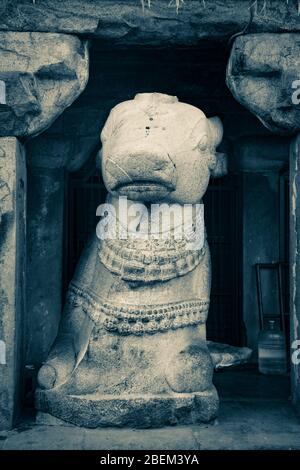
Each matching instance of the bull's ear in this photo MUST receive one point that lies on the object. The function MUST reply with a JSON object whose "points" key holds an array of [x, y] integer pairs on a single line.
{"points": [[216, 131], [109, 126], [220, 167], [99, 159]]}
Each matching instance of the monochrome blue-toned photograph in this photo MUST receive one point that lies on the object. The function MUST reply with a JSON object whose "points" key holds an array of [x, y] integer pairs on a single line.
{"points": [[149, 231]]}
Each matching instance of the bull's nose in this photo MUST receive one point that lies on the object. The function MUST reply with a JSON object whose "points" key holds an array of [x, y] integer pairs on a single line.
{"points": [[138, 164], [148, 162]]}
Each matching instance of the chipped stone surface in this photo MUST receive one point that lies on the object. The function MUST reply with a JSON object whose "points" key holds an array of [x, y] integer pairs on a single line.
{"points": [[12, 269], [125, 22], [261, 72], [43, 75]]}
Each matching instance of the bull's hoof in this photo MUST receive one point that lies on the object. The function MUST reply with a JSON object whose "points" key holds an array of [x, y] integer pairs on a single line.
{"points": [[47, 377], [55, 372], [190, 370], [60, 364]]}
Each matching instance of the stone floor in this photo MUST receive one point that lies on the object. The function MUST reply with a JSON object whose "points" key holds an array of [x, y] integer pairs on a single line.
{"points": [[255, 413]]}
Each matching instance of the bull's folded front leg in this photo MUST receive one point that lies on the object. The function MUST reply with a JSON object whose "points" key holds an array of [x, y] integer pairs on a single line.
{"points": [[68, 349]]}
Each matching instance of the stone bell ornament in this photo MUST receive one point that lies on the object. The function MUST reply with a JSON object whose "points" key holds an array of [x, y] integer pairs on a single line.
{"points": [[131, 348]]}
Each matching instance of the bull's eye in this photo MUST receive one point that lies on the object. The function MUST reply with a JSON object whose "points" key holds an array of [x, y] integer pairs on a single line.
{"points": [[203, 143]]}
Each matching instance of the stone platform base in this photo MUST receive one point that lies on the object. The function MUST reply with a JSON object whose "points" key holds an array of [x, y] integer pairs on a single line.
{"points": [[93, 411]]}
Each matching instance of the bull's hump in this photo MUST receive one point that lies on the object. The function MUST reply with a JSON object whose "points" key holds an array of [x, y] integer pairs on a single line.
{"points": [[161, 104], [155, 98]]}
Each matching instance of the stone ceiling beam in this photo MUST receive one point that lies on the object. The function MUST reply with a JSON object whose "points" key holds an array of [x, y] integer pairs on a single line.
{"points": [[263, 74], [41, 74], [125, 21]]}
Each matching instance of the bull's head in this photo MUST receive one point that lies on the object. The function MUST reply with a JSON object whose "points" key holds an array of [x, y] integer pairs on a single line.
{"points": [[155, 148]]}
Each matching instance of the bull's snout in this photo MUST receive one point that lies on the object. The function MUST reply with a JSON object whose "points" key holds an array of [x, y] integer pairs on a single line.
{"points": [[139, 170]]}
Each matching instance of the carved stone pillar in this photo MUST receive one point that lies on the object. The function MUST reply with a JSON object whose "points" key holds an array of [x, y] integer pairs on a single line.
{"points": [[295, 269], [12, 273]]}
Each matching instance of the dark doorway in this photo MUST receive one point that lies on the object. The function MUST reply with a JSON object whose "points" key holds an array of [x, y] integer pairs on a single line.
{"points": [[223, 222], [223, 218]]}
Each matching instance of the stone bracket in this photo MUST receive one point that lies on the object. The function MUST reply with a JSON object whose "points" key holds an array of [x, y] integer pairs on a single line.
{"points": [[262, 73], [41, 75]]}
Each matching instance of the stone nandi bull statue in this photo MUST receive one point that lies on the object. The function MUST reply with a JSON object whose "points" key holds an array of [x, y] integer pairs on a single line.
{"points": [[131, 348]]}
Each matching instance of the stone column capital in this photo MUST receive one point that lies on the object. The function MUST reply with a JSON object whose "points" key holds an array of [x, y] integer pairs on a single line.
{"points": [[41, 74], [263, 74]]}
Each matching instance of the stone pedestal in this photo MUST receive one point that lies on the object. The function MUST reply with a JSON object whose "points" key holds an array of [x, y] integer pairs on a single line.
{"points": [[12, 269], [138, 411]]}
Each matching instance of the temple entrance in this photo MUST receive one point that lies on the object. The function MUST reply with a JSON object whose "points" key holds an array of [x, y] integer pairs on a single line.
{"points": [[245, 212]]}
